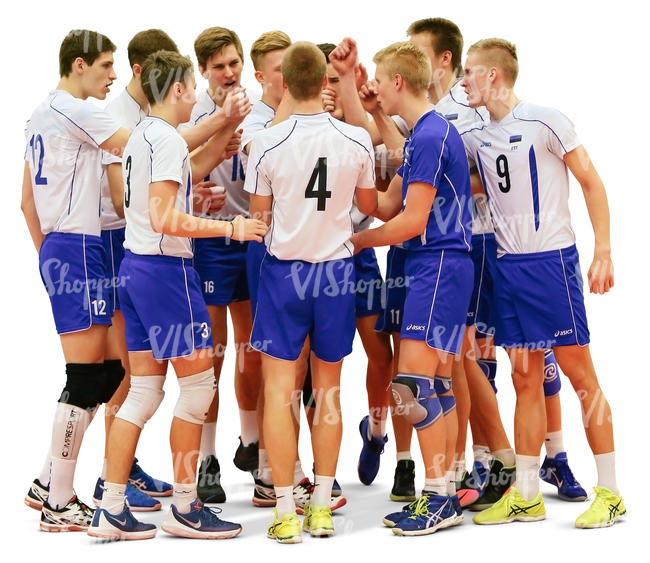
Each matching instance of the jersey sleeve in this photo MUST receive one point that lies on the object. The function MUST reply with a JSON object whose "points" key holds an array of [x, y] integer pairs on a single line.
{"points": [[366, 177], [87, 122], [561, 134], [257, 181], [427, 158], [168, 155], [251, 126]]}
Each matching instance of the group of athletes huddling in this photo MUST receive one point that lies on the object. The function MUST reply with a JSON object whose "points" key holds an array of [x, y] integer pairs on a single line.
{"points": [[156, 217]]}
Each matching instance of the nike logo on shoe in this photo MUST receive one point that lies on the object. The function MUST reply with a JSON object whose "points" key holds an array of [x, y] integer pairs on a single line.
{"points": [[195, 525], [112, 520]]}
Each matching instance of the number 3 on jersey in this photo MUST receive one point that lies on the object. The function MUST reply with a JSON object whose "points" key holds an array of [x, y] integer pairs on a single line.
{"points": [[321, 193]]}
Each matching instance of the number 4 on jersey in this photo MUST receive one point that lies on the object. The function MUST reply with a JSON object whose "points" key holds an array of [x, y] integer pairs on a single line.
{"points": [[321, 193]]}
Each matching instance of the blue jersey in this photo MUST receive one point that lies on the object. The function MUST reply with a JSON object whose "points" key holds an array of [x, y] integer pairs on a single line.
{"points": [[435, 154]]}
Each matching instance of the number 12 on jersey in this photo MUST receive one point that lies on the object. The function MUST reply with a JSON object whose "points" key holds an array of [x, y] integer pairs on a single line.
{"points": [[321, 193]]}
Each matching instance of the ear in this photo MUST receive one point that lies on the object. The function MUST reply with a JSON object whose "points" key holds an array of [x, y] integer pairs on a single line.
{"points": [[203, 72], [137, 70], [259, 76], [178, 88], [446, 58], [78, 65], [398, 81], [325, 82], [492, 74], [284, 84]]}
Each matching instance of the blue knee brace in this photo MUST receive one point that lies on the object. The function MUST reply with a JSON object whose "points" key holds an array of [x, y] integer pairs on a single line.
{"points": [[442, 385], [415, 398], [552, 381], [489, 368]]}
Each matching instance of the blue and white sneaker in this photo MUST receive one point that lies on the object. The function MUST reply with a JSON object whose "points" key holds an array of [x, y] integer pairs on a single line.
{"points": [[431, 513], [372, 448], [122, 526], [391, 520], [200, 522], [137, 501], [556, 471], [147, 484]]}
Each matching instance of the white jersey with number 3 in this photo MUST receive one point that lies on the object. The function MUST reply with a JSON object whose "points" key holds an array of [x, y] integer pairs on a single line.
{"points": [[63, 138], [155, 153], [520, 160], [311, 165]]}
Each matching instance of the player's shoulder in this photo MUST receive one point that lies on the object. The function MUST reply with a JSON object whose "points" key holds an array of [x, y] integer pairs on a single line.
{"points": [[156, 133], [204, 107], [352, 133], [66, 105], [544, 115], [432, 126]]}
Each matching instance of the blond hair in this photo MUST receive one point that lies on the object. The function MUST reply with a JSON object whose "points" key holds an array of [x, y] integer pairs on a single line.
{"points": [[267, 42], [213, 40], [407, 60], [498, 53], [303, 69]]}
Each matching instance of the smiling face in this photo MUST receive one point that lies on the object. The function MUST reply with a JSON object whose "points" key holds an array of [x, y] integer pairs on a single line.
{"points": [[223, 70], [96, 79]]}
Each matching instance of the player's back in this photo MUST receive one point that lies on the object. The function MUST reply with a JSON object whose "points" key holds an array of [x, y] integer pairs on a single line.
{"points": [[311, 165]]}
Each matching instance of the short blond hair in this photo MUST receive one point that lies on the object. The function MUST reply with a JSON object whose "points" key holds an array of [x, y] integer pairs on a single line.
{"points": [[498, 53], [303, 69], [267, 42], [409, 61], [160, 71]]}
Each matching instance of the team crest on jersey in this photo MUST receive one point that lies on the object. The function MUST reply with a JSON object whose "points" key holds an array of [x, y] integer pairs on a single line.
{"points": [[515, 139], [451, 116], [486, 144]]}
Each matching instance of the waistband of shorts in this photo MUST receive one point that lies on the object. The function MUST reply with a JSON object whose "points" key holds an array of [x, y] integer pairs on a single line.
{"points": [[157, 258], [481, 236], [537, 255], [436, 253], [116, 229], [56, 235], [269, 258], [222, 243]]}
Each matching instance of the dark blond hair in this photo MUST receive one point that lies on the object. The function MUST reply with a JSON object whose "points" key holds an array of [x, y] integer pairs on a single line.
{"points": [[498, 53], [303, 69], [409, 61], [160, 71], [213, 40], [267, 42], [147, 42]]}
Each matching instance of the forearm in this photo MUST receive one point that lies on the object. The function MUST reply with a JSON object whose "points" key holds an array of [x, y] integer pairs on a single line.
{"points": [[390, 136], [352, 108], [397, 230], [205, 159], [179, 224], [33, 225], [198, 134], [598, 208]]}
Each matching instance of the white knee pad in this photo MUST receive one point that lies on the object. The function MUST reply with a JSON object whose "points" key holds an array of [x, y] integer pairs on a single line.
{"points": [[196, 396], [144, 397]]}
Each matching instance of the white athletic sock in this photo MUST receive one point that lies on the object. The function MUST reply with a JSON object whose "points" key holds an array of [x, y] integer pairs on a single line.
{"points": [[450, 477], [184, 495], [404, 455], [459, 468], [284, 501], [528, 476], [61, 479], [264, 467], [506, 455], [322, 494], [44, 475], [482, 455], [377, 427], [104, 469], [437, 486], [208, 439], [113, 497], [553, 443], [606, 466], [249, 431], [298, 473]]}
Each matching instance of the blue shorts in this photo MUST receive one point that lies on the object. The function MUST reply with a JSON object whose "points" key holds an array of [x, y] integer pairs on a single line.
{"points": [[72, 267], [369, 284], [296, 299], [481, 304], [395, 291], [437, 299], [162, 306], [221, 265], [254, 255], [113, 242], [538, 300]]}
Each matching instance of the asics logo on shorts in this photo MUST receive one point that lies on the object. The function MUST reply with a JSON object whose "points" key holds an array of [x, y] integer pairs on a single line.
{"points": [[563, 332], [416, 327]]}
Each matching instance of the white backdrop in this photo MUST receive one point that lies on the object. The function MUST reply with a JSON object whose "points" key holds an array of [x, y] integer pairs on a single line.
{"points": [[584, 58]]}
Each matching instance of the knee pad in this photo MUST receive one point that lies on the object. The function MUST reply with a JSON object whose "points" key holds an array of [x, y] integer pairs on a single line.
{"points": [[143, 399], [489, 368], [114, 376], [442, 385], [552, 381], [196, 396], [84, 386], [308, 398], [415, 399]]}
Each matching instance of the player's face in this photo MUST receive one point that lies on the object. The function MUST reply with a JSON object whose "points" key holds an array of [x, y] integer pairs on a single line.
{"points": [[424, 41], [475, 82], [223, 70], [271, 69], [385, 90], [188, 99], [333, 80], [98, 77]]}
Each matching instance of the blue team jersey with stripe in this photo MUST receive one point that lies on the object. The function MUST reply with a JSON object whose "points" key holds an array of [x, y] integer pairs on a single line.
{"points": [[434, 154]]}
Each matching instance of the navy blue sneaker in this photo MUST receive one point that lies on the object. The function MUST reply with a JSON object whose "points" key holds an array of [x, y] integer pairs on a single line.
{"points": [[431, 513], [372, 448], [556, 471], [122, 526], [391, 520], [137, 501], [336, 489], [147, 484], [200, 522]]}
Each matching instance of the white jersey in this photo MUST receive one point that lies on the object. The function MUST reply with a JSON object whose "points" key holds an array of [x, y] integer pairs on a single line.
{"points": [[63, 137], [257, 120], [311, 165], [520, 160], [229, 174], [155, 153], [126, 111]]}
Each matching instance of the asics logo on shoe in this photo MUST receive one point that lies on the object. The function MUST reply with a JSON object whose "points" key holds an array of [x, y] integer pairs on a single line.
{"points": [[195, 525], [516, 509], [613, 509]]}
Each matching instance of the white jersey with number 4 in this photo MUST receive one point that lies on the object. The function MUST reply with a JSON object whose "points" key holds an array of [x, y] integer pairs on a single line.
{"points": [[311, 165], [63, 137], [155, 153], [520, 160]]}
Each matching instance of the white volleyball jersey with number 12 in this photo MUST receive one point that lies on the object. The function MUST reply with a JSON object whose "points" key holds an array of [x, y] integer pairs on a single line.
{"points": [[311, 165]]}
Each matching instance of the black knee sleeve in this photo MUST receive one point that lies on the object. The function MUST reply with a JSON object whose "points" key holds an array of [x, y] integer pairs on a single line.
{"points": [[114, 376], [84, 386], [308, 391]]}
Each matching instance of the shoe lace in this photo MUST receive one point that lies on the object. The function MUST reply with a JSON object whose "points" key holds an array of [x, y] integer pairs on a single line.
{"points": [[421, 507]]}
